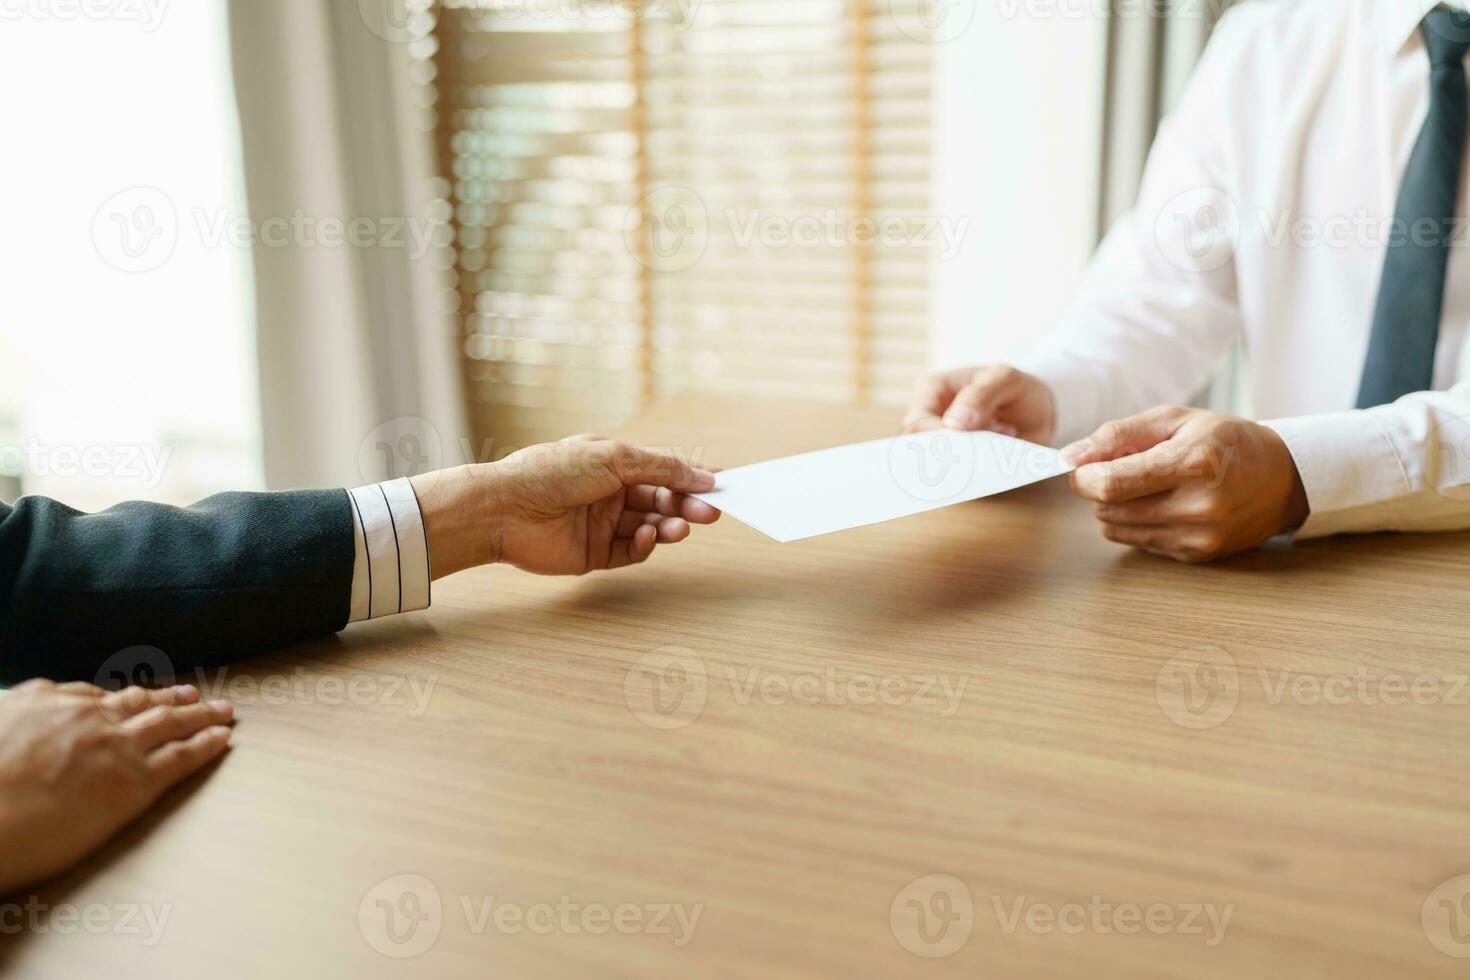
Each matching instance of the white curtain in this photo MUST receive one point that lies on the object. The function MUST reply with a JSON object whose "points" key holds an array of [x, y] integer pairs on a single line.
{"points": [[359, 372]]}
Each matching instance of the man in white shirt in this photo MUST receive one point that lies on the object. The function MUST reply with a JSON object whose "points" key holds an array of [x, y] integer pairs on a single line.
{"points": [[1305, 198]]}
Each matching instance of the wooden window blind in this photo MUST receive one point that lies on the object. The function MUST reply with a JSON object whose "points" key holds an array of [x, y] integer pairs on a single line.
{"points": [[651, 196]]}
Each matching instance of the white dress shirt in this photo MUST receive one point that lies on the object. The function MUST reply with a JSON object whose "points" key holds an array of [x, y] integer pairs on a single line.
{"points": [[391, 574], [1264, 216]]}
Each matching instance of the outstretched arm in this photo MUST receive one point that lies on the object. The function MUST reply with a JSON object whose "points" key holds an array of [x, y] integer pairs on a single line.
{"points": [[242, 573]]}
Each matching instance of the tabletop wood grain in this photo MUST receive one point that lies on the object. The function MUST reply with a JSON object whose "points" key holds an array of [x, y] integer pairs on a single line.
{"points": [[982, 732]]}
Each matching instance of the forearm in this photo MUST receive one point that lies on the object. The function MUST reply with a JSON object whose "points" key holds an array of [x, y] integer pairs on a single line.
{"points": [[234, 575]]}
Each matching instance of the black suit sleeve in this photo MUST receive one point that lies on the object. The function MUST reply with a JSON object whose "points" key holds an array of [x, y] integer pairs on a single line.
{"points": [[234, 575]]}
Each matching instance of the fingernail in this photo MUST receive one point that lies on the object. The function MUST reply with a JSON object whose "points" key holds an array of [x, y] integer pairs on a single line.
{"points": [[185, 690], [1077, 450], [703, 480], [223, 707], [962, 417], [220, 733]]}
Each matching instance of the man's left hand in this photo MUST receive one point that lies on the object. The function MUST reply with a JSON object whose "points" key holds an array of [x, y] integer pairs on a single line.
{"points": [[1189, 484]]}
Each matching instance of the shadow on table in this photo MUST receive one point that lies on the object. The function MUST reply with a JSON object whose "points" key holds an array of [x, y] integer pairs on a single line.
{"points": [[70, 887], [1353, 554]]}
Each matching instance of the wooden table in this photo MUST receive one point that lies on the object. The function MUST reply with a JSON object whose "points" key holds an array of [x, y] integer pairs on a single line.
{"points": [[1094, 750]]}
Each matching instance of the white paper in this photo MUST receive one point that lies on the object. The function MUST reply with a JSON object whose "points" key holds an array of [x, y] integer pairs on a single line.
{"points": [[872, 482]]}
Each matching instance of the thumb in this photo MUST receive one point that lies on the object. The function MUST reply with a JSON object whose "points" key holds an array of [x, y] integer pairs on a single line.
{"points": [[1125, 437], [635, 466]]}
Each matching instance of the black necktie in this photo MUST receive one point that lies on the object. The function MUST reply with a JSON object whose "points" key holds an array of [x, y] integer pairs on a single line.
{"points": [[1406, 319]]}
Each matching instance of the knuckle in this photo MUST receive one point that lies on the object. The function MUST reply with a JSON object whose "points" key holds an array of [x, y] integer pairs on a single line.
{"points": [[1207, 545], [1110, 433], [1109, 487]]}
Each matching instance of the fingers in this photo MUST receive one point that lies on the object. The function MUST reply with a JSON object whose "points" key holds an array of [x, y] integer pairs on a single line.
{"points": [[1146, 538], [1126, 437], [660, 469], [1181, 543], [671, 530], [1127, 479], [169, 723], [932, 395], [661, 500], [134, 700], [1181, 506], [633, 550], [1165, 466], [988, 391], [180, 759], [81, 688]]}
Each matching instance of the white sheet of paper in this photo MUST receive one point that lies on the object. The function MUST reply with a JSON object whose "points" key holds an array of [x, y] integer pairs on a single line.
{"points": [[872, 482]]}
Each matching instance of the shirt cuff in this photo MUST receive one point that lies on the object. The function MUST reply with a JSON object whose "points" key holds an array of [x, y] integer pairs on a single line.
{"points": [[391, 574], [1349, 469]]}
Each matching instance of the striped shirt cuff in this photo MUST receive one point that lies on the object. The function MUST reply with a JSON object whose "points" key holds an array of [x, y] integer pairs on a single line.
{"points": [[391, 574]]}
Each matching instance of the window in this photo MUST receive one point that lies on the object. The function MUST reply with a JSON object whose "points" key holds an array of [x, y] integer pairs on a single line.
{"points": [[126, 368], [648, 196]]}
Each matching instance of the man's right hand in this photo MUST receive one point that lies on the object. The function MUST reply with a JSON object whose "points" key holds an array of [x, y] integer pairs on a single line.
{"points": [[77, 763], [995, 397]]}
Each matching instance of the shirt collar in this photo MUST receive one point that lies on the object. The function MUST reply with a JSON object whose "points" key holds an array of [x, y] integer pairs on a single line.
{"points": [[1397, 21]]}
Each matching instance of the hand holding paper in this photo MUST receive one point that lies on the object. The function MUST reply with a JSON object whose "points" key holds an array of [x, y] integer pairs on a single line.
{"points": [[872, 482]]}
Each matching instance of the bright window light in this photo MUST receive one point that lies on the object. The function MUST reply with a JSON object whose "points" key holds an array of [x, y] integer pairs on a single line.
{"points": [[127, 368]]}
